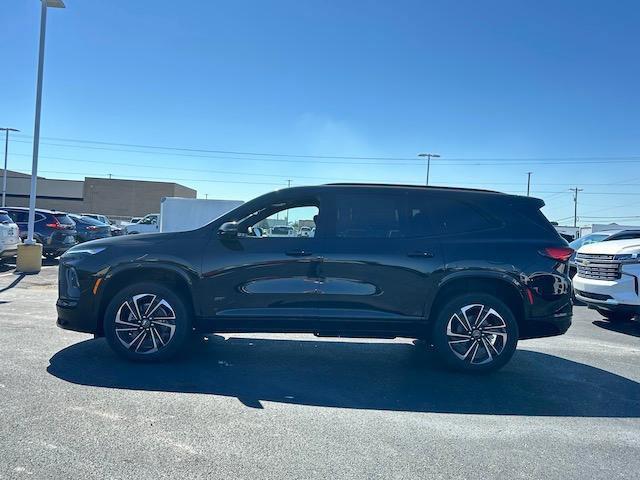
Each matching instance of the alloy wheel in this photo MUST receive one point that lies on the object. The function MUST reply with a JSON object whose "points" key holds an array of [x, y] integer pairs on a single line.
{"points": [[476, 334], [145, 323]]}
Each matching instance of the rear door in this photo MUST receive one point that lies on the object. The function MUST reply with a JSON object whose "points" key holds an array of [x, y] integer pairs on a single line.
{"points": [[381, 258]]}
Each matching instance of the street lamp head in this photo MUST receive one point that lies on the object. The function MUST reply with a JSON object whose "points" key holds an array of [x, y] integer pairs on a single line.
{"points": [[54, 3], [9, 129], [430, 155]]}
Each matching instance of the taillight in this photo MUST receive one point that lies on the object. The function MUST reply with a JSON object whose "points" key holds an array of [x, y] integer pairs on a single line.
{"points": [[561, 254], [58, 226]]}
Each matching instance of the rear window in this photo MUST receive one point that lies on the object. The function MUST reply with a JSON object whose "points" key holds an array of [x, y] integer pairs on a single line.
{"points": [[280, 230], [4, 218], [91, 221], [63, 218], [445, 215]]}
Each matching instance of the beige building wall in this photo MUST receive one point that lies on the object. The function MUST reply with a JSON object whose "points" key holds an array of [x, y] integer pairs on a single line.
{"points": [[64, 195], [121, 198], [111, 197]]}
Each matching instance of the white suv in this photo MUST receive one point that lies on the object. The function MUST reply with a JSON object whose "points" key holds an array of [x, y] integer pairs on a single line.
{"points": [[608, 278], [9, 236]]}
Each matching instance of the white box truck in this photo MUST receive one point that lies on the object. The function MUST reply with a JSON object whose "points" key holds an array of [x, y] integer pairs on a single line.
{"points": [[182, 214]]}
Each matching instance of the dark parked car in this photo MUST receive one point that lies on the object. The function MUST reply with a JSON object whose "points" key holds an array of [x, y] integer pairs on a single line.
{"points": [[115, 230], [469, 271], [89, 228], [54, 230]]}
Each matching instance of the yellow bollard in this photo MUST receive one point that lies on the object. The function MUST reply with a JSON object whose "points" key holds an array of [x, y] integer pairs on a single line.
{"points": [[29, 258]]}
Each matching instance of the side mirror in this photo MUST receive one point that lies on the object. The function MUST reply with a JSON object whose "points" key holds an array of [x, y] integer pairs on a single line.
{"points": [[228, 230]]}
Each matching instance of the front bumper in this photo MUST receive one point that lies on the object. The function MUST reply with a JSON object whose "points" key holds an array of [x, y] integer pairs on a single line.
{"points": [[73, 315], [610, 294]]}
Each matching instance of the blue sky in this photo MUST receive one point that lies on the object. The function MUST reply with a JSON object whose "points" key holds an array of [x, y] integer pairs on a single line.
{"points": [[498, 88]]}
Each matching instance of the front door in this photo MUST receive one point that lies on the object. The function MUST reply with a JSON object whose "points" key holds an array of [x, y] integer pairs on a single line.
{"points": [[266, 277]]}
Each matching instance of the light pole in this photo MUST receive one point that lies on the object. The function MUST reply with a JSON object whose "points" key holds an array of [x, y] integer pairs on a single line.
{"points": [[429, 157], [4, 173], [528, 182], [45, 4], [29, 254]]}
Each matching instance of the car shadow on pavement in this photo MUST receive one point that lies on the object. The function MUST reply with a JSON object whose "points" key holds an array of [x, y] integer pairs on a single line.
{"points": [[381, 376], [628, 328]]}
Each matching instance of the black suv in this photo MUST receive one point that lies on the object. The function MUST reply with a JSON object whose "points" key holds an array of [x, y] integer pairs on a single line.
{"points": [[468, 271], [54, 230]]}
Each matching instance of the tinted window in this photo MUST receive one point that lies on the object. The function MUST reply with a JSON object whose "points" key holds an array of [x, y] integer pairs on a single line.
{"points": [[4, 218], [19, 216], [453, 216], [91, 221], [369, 216], [624, 236], [64, 219]]}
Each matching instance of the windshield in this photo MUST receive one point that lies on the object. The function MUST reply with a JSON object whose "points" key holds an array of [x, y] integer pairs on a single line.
{"points": [[4, 218], [587, 239]]}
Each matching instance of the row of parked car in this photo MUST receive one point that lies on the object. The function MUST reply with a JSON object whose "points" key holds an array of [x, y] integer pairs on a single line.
{"points": [[56, 231]]}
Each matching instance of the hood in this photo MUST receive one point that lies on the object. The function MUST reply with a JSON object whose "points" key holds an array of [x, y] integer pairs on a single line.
{"points": [[139, 240], [612, 247]]}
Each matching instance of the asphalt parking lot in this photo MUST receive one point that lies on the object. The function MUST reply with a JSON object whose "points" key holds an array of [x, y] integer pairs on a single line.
{"points": [[274, 406]]}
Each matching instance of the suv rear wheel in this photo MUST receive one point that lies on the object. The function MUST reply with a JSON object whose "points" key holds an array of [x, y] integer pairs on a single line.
{"points": [[147, 322], [475, 333]]}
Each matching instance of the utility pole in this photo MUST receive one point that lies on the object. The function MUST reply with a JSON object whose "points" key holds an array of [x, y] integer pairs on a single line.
{"points": [[528, 182], [429, 156], [288, 186], [575, 204], [6, 153]]}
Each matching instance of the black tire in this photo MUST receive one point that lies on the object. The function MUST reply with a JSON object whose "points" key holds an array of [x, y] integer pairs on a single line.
{"points": [[153, 329], [616, 317], [464, 348]]}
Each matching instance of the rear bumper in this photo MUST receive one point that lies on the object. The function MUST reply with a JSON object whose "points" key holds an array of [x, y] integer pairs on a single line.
{"points": [[547, 326]]}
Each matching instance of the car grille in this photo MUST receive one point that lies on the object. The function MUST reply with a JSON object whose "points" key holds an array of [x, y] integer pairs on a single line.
{"points": [[598, 267]]}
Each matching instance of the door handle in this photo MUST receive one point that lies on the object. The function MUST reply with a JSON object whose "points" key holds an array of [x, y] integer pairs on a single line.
{"points": [[420, 254], [298, 253]]}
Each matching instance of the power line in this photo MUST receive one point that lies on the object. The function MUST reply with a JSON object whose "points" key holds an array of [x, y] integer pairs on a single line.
{"points": [[286, 175], [555, 160]]}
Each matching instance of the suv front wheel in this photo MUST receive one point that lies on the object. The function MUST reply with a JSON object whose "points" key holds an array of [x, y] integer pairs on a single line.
{"points": [[475, 333], [147, 322]]}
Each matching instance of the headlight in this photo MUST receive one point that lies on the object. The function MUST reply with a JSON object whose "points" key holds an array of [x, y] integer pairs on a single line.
{"points": [[627, 257], [80, 250]]}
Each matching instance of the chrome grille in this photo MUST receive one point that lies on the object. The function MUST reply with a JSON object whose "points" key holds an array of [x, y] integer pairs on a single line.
{"points": [[598, 267]]}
